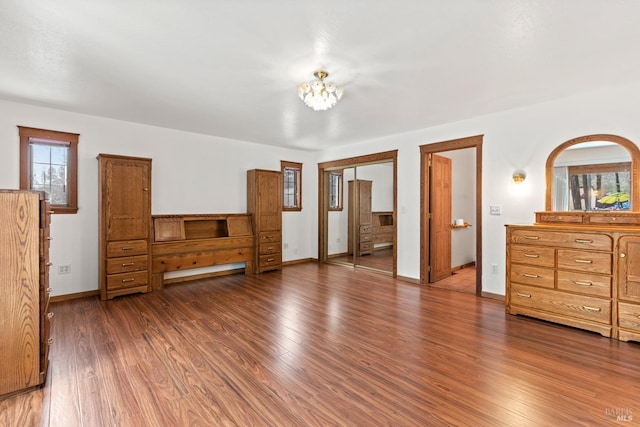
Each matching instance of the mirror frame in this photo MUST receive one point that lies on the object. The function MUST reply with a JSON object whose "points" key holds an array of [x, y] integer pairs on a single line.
{"points": [[632, 148]]}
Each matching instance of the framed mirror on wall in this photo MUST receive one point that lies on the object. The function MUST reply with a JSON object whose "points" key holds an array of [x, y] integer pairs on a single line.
{"points": [[357, 211], [593, 173]]}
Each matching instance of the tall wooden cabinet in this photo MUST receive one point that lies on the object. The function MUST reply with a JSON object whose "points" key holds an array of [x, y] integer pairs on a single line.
{"points": [[359, 217], [584, 273], [125, 225], [24, 290], [264, 203]]}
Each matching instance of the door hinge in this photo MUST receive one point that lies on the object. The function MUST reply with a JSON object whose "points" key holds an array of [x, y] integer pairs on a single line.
{"points": [[429, 215], [429, 269]]}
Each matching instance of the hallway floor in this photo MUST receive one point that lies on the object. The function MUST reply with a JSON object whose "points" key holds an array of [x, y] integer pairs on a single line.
{"points": [[462, 280]]}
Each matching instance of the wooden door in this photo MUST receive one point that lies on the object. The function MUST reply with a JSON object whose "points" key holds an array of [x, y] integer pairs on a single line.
{"points": [[440, 212], [128, 199], [629, 268]]}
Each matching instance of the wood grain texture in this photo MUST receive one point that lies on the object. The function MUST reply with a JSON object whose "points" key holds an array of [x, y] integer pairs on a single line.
{"points": [[321, 345]]}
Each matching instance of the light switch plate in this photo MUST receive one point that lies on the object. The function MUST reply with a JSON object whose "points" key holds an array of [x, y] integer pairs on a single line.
{"points": [[495, 210]]}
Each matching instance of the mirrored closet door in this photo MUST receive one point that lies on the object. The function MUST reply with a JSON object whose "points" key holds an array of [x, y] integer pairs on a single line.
{"points": [[359, 216]]}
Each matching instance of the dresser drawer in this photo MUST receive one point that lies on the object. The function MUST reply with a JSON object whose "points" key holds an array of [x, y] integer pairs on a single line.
{"points": [[127, 248], [269, 237], [366, 237], [560, 303], [269, 260], [528, 275], [534, 255], [127, 280], [629, 316], [365, 229], [265, 248], [564, 239], [594, 262], [124, 265], [366, 247], [584, 283]]}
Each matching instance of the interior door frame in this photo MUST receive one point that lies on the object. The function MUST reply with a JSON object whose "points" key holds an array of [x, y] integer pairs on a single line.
{"points": [[382, 157], [425, 244]]}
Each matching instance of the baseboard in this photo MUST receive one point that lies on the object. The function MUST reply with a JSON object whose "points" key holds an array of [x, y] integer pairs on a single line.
{"points": [[299, 261], [408, 279], [467, 265], [338, 255], [491, 295], [78, 295]]}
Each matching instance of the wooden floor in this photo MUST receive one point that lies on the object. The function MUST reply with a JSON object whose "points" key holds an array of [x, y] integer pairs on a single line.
{"points": [[461, 280], [321, 346]]}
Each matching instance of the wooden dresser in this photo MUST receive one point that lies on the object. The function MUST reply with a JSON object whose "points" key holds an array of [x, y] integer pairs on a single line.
{"points": [[125, 225], [360, 218], [264, 203], [578, 270], [24, 278]]}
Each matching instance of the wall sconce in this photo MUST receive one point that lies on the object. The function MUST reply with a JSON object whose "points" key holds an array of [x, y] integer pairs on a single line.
{"points": [[518, 177]]}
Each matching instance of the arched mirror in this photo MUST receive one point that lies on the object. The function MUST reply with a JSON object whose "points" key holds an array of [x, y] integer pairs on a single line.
{"points": [[593, 173]]}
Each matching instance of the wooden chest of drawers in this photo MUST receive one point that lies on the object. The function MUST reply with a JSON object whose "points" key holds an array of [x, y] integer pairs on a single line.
{"points": [[578, 276]]}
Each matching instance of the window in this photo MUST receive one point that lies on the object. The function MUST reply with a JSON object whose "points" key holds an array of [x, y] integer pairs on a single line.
{"points": [[335, 191], [600, 186], [49, 162], [292, 182]]}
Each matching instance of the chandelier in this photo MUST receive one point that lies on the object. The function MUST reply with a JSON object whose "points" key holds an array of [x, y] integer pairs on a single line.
{"points": [[320, 95]]}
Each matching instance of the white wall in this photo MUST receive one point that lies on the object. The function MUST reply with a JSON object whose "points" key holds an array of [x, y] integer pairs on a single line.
{"points": [[191, 173], [196, 173], [516, 139]]}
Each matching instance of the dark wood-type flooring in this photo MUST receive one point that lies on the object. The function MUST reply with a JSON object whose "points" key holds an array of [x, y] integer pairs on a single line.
{"points": [[321, 346]]}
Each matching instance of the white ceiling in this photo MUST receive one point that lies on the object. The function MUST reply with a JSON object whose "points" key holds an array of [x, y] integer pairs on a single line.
{"points": [[230, 68]]}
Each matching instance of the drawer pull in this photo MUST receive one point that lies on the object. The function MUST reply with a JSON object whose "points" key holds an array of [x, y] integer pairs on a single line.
{"points": [[523, 295], [127, 280], [622, 255], [127, 264], [531, 256], [50, 341], [270, 248], [49, 315], [583, 261], [49, 290], [531, 276], [127, 248], [51, 212], [581, 283], [532, 237], [594, 309], [583, 241], [49, 264], [270, 259]]}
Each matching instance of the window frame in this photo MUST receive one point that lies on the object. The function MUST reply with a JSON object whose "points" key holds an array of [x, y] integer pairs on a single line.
{"points": [[53, 137], [340, 194], [284, 165]]}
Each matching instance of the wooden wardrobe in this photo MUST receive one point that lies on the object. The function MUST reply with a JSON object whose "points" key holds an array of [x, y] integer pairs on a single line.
{"points": [[24, 280], [264, 203], [125, 225], [360, 218]]}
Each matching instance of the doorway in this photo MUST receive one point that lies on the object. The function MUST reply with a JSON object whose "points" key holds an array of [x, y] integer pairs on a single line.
{"points": [[431, 246], [357, 212]]}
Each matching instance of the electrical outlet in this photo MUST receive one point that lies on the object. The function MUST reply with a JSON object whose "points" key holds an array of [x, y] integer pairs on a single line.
{"points": [[495, 210], [494, 268], [64, 269], [285, 246]]}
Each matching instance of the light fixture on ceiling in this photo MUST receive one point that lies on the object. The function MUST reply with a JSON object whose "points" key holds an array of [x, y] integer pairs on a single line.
{"points": [[320, 95]]}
